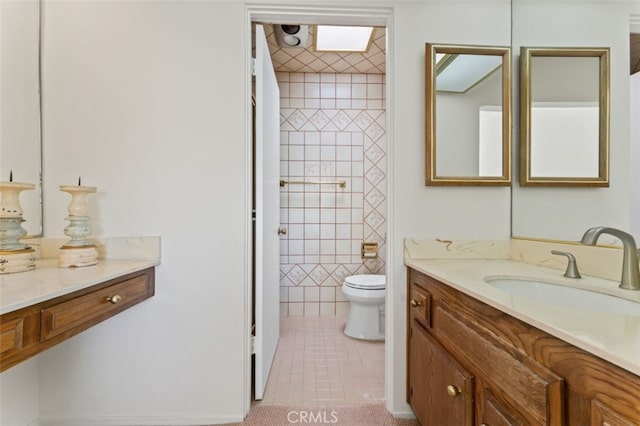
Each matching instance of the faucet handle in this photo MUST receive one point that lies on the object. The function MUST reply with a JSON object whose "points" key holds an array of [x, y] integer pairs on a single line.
{"points": [[572, 267]]}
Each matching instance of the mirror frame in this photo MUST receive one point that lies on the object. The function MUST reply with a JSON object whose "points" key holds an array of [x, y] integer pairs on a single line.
{"points": [[432, 177], [526, 55]]}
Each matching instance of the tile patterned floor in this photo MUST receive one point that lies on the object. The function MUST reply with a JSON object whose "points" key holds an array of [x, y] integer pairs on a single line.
{"points": [[316, 364]]}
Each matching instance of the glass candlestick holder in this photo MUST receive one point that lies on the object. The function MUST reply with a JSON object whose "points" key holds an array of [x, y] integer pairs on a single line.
{"points": [[78, 251]]}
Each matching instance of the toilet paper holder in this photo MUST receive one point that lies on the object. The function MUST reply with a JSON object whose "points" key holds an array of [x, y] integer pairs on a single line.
{"points": [[369, 249]]}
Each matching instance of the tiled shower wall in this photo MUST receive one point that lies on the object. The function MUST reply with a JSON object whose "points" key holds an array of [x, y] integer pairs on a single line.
{"points": [[332, 129]]}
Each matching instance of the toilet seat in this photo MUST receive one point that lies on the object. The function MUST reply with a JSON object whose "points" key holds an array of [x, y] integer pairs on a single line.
{"points": [[366, 282]]}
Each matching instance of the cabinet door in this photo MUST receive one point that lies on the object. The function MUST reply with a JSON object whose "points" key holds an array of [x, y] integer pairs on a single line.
{"points": [[441, 391], [494, 413], [601, 415]]}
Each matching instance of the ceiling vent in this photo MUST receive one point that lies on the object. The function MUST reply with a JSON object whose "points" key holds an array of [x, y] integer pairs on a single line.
{"points": [[292, 35]]}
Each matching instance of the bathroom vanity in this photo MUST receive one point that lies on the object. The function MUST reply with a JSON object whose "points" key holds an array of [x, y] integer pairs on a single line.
{"points": [[41, 308], [477, 356]]}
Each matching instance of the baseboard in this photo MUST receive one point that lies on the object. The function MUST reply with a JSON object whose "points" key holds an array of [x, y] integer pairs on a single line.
{"points": [[135, 421], [403, 415]]}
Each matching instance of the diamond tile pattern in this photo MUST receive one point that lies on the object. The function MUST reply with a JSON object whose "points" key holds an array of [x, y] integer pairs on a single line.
{"points": [[307, 61], [332, 128]]}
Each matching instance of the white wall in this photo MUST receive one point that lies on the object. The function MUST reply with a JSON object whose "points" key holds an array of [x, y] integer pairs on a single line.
{"points": [[146, 101], [635, 137], [19, 395], [565, 213], [635, 155]]}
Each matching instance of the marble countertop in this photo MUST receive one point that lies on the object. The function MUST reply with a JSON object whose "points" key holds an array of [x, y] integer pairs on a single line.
{"points": [[48, 281], [613, 337]]}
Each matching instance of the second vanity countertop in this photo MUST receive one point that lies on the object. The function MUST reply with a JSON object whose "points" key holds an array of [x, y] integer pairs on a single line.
{"points": [[612, 337], [48, 281]]}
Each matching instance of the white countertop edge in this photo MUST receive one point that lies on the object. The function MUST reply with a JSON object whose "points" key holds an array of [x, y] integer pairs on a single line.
{"points": [[47, 281], [467, 277]]}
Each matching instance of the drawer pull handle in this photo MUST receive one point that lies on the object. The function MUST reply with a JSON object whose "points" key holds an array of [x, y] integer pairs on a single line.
{"points": [[116, 298], [452, 391], [415, 303]]}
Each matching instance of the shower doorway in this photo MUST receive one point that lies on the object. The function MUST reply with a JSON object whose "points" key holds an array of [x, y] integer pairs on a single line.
{"points": [[309, 298]]}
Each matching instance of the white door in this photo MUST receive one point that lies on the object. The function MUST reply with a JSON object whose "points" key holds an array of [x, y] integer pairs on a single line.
{"points": [[267, 205]]}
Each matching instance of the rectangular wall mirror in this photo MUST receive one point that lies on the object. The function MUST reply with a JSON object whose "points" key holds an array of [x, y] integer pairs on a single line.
{"points": [[468, 115], [564, 116], [20, 142]]}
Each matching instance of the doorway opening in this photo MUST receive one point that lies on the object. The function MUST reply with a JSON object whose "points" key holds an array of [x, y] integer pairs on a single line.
{"points": [[334, 128]]}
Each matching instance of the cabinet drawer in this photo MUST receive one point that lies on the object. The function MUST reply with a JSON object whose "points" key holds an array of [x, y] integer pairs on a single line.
{"points": [[87, 310], [420, 305], [11, 333]]}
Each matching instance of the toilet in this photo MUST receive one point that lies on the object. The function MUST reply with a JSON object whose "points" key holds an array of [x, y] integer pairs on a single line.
{"points": [[366, 310]]}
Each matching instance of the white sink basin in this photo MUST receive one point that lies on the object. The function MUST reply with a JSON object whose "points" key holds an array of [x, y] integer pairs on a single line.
{"points": [[559, 295]]}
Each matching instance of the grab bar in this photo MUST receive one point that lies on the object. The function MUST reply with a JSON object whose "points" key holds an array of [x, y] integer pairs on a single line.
{"points": [[342, 183]]}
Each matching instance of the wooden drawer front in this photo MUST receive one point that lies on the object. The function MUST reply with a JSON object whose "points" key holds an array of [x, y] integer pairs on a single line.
{"points": [[519, 380], [11, 333], [420, 305], [93, 307]]}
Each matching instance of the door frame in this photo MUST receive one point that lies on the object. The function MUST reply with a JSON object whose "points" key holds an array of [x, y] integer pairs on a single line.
{"points": [[338, 16]]}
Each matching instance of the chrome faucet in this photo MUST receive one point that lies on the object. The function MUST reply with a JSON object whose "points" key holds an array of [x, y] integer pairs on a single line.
{"points": [[630, 272]]}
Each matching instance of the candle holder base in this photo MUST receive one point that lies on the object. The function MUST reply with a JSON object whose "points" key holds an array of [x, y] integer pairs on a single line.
{"points": [[14, 261], [77, 256]]}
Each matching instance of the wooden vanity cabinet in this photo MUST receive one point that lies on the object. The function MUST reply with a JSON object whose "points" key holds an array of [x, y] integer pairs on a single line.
{"points": [[33, 329], [505, 371]]}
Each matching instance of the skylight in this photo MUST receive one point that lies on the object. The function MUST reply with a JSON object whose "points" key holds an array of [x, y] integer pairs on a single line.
{"points": [[330, 38], [459, 73]]}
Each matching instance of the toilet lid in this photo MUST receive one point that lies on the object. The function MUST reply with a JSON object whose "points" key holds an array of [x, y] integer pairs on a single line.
{"points": [[366, 282]]}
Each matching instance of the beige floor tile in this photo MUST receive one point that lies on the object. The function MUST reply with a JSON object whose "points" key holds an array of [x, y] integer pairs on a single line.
{"points": [[317, 364]]}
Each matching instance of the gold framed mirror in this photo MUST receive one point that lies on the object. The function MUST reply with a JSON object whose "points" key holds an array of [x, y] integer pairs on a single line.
{"points": [[468, 115], [564, 116]]}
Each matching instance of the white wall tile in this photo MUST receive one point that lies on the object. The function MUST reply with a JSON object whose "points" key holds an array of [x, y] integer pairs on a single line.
{"points": [[343, 103], [328, 247], [359, 91], [328, 153], [312, 231], [328, 215], [327, 294], [311, 215], [296, 294], [327, 231], [327, 309], [343, 231], [312, 152], [311, 247], [296, 309], [311, 90], [311, 309], [328, 134], [312, 138], [295, 231], [312, 199], [296, 90], [296, 247]]}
